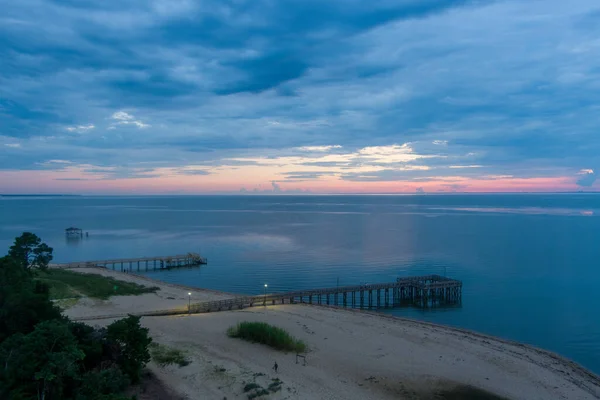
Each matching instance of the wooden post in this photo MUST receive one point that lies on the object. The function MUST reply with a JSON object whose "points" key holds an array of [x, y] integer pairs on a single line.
{"points": [[362, 298]]}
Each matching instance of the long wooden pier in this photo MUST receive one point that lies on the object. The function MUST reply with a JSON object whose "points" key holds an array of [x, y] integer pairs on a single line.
{"points": [[140, 264], [421, 291]]}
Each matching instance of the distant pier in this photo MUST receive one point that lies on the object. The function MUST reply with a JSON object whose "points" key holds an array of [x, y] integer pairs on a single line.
{"points": [[140, 264]]}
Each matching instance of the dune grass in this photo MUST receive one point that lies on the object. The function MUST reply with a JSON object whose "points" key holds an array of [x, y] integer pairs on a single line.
{"points": [[70, 284], [261, 332], [60, 290], [65, 304], [164, 355]]}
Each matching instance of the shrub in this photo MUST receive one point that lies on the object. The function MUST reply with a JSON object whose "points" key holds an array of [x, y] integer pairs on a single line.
{"points": [[132, 341], [275, 386], [164, 355], [261, 332], [104, 382], [251, 386]]}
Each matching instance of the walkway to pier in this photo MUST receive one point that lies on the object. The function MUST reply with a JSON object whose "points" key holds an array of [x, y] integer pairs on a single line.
{"points": [[139, 264], [420, 291]]}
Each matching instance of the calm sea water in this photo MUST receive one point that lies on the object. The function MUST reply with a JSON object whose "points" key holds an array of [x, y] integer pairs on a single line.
{"points": [[530, 263]]}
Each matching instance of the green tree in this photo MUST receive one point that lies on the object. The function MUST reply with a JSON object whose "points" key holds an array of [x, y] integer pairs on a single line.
{"points": [[132, 341], [23, 301], [100, 384], [43, 355], [92, 342], [40, 364], [29, 251]]}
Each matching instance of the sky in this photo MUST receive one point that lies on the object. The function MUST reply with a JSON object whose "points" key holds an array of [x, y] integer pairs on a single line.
{"points": [[299, 96]]}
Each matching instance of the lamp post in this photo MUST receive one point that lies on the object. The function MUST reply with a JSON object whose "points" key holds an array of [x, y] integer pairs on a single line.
{"points": [[189, 303], [265, 300]]}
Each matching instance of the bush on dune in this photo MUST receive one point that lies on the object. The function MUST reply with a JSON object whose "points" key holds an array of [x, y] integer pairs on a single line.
{"points": [[164, 355], [261, 332]]}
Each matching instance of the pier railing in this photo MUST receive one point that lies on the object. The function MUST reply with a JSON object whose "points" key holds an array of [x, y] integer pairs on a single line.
{"points": [[420, 291], [140, 264], [424, 291]]}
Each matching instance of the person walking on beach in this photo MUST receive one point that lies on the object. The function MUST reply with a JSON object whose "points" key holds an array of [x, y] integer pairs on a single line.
{"points": [[275, 367]]}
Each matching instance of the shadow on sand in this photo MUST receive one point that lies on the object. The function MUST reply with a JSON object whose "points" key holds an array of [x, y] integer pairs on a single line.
{"points": [[464, 392]]}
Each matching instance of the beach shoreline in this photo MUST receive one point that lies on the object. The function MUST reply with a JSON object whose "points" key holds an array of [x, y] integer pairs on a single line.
{"points": [[343, 342], [483, 336]]}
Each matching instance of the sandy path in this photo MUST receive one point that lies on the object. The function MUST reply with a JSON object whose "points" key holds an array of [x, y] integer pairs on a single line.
{"points": [[353, 355], [168, 297]]}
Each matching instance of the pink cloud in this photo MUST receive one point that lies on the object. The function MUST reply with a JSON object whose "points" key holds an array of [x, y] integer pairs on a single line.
{"points": [[73, 181]]}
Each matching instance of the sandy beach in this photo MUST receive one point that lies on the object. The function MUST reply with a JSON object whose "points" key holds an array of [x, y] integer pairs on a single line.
{"points": [[352, 355], [168, 297]]}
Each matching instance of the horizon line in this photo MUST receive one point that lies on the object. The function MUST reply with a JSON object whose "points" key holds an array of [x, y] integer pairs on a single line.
{"points": [[250, 194]]}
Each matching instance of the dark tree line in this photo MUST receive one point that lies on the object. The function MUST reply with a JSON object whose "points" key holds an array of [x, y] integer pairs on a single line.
{"points": [[44, 355]]}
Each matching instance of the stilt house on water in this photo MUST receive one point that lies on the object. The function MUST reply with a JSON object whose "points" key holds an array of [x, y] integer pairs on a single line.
{"points": [[74, 232]]}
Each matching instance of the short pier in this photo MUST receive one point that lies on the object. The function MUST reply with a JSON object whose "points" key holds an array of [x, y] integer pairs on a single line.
{"points": [[140, 264], [420, 291]]}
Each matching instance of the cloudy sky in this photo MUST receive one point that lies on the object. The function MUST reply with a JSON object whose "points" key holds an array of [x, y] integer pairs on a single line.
{"points": [[337, 96]]}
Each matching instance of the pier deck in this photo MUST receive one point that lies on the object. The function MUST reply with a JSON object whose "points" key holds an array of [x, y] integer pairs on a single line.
{"points": [[421, 291], [140, 264]]}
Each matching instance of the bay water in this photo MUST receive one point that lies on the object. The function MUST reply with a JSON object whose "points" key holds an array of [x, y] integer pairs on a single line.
{"points": [[530, 264]]}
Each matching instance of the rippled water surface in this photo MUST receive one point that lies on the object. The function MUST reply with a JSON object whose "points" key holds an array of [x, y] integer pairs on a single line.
{"points": [[530, 263]]}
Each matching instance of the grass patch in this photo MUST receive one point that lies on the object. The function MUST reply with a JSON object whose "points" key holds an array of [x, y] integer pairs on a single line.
{"points": [[275, 386], [65, 304], [69, 284], [164, 355], [60, 290], [251, 386], [260, 332]]}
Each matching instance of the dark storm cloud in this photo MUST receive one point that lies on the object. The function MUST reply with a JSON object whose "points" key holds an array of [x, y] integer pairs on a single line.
{"points": [[266, 73]]}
